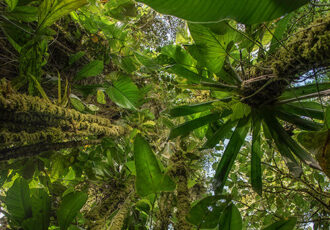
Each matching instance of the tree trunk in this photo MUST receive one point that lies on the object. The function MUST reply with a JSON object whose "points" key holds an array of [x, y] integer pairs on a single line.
{"points": [[306, 50]]}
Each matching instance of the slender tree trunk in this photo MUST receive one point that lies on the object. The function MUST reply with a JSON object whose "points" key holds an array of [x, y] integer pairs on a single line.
{"points": [[165, 211], [180, 173]]}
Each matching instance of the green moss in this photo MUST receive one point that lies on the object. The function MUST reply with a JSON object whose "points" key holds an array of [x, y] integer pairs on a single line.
{"points": [[306, 50], [52, 122], [179, 171]]}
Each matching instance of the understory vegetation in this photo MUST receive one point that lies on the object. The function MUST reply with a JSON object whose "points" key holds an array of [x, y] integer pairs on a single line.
{"points": [[153, 114]]}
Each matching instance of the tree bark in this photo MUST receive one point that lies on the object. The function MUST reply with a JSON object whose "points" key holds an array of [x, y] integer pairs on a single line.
{"points": [[306, 50]]}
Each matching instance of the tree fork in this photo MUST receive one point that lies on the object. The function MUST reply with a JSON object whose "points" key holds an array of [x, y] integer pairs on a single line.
{"points": [[308, 49]]}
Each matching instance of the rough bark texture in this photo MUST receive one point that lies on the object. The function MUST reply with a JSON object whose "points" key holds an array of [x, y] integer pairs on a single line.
{"points": [[306, 50], [117, 222], [180, 173], [165, 209], [104, 201], [27, 120]]}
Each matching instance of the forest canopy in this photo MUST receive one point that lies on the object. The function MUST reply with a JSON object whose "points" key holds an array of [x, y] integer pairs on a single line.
{"points": [[152, 114]]}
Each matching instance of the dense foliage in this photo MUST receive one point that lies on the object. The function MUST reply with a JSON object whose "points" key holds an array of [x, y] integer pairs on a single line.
{"points": [[177, 114]]}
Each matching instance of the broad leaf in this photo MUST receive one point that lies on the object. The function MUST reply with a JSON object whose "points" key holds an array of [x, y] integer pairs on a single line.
{"points": [[280, 30], [76, 57], [213, 49], [124, 93], [24, 13], [230, 219], [92, 69], [69, 208], [179, 55], [18, 201], [77, 103], [100, 97], [11, 4], [249, 11], [206, 212], [52, 10], [41, 204], [189, 126], [286, 224], [149, 177], [236, 141], [240, 110], [191, 76], [120, 9]]}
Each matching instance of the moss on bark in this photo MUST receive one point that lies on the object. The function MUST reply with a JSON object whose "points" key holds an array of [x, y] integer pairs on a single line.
{"points": [[306, 50], [27, 120], [179, 171]]}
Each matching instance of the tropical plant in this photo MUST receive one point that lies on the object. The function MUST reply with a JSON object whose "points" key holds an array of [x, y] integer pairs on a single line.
{"points": [[227, 127]]}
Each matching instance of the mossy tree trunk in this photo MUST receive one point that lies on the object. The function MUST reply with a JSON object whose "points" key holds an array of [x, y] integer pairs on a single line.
{"points": [[307, 50], [180, 173], [27, 122]]}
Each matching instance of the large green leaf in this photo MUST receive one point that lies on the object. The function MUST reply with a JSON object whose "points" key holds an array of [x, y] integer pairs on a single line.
{"points": [[92, 69], [191, 76], [189, 126], [120, 9], [41, 204], [286, 224], [52, 10], [185, 110], [18, 201], [149, 177], [124, 93], [206, 212], [236, 141], [256, 174], [248, 11], [212, 48], [230, 219], [280, 30], [179, 55], [24, 13], [11, 4], [69, 208]]}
